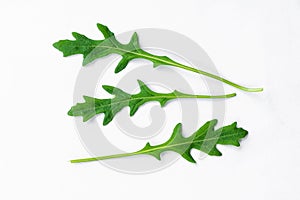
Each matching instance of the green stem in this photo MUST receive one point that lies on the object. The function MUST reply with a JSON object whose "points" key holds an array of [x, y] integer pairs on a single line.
{"points": [[207, 96], [217, 78], [104, 157]]}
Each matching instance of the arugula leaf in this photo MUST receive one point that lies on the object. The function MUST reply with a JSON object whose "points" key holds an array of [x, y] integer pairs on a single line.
{"points": [[94, 49], [110, 107], [204, 139]]}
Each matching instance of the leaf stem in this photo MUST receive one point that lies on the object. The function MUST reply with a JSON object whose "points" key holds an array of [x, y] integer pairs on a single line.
{"points": [[207, 96], [217, 78], [104, 157]]}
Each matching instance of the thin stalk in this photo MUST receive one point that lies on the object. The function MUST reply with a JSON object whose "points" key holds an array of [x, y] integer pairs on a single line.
{"points": [[217, 78], [104, 157], [207, 96]]}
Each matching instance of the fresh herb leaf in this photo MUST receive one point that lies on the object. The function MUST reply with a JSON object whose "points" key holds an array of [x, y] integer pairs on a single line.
{"points": [[204, 139], [94, 49], [110, 107]]}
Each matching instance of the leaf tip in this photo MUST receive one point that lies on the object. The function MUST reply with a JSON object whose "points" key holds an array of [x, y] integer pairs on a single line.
{"points": [[178, 127], [56, 44], [105, 30], [179, 124], [70, 112], [214, 121], [84, 119], [243, 132], [59, 46], [108, 88], [121, 65], [107, 119], [88, 98], [131, 113], [101, 26], [85, 61], [187, 155], [192, 161], [141, 83], [75, 34]]}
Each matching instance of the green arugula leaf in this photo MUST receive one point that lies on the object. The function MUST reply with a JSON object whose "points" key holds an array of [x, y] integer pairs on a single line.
{"points": [[204, 139], [94, 49], [110, 107]]}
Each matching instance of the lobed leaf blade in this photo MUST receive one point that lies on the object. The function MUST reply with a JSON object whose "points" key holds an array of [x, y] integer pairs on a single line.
{"points": [[110, 107], [94, 49], [205, 139]]}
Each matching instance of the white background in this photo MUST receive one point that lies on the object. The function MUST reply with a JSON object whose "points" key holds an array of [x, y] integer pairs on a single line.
{"points": [[255, 43]]}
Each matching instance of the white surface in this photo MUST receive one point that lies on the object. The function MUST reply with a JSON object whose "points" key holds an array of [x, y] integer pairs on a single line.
{"points": [[253, 43]]}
